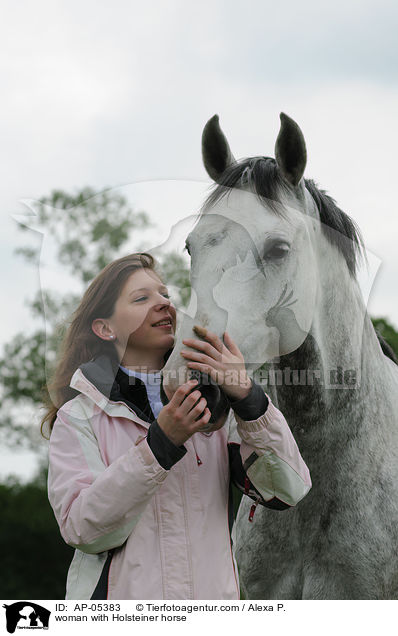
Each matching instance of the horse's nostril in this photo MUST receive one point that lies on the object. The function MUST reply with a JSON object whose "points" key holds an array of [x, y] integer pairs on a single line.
{"points": [[195, 375]]}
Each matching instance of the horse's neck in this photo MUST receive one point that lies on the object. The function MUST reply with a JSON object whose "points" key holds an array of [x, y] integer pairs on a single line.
{"points": [[337, 370]]}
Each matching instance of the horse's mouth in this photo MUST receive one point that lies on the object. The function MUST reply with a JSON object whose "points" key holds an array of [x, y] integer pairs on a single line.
{"points": [[217, 402]]}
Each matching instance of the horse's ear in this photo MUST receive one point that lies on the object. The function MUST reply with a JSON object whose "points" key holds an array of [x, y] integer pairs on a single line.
{"points": [[216, 152], [290, 150]]}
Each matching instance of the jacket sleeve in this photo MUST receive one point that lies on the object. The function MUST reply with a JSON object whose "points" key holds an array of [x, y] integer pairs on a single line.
{"points": [[162, 447], [265, 461], [97, 506]]}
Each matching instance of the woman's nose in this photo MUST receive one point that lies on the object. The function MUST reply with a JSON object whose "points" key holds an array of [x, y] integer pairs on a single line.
{"points": [[163, 302]]}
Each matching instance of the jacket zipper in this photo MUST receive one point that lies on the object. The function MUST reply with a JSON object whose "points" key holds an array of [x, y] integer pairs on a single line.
{"points": [[253, 509]]}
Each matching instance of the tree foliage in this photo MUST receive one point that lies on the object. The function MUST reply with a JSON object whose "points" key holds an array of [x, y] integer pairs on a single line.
{"points": [[88, 228], [176, 274], [35, 559], [388, 332]]}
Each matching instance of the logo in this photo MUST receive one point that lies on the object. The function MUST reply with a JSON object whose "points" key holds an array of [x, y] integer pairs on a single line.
{"points": [[26, 615]]}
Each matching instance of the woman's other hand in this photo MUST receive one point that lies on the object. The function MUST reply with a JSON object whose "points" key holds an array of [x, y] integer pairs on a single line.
{"points": [[222, 361], [185, 414]]}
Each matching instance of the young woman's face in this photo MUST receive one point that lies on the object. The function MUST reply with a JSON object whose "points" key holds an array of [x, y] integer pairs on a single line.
{"points": [[143, 302]]}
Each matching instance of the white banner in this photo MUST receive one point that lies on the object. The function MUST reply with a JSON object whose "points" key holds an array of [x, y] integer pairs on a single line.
{"points": [[171, 617]]}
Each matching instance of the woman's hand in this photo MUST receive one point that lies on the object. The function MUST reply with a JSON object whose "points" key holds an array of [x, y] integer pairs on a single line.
{"points": [[222, 361], [185, 414]]}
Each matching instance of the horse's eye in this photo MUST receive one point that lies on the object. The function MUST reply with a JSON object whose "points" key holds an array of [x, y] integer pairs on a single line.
{"points": [[277, 252], [186, 248]]}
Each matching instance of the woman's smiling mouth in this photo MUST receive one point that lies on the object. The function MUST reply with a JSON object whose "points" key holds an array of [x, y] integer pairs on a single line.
{"points": [[165, 323]]}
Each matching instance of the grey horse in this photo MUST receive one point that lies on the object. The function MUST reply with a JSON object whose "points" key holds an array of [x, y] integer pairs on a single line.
{"points": [[273, 262]]}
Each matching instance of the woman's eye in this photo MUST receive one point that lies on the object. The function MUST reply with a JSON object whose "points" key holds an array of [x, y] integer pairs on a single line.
{"points": [[137, 300], [277, 252]]}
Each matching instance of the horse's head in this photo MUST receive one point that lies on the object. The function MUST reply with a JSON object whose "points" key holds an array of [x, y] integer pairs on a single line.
{"points": [[254, 251]]}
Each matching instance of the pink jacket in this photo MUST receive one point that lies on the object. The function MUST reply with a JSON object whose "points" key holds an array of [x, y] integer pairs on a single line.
{"points": [[164, 532]]}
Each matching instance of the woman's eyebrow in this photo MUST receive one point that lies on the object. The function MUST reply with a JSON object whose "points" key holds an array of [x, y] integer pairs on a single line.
{"points": [[145, 289], [138, 289]]}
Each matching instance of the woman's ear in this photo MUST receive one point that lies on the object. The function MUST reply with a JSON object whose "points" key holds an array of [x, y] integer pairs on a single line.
{"points": [[102, 329]]}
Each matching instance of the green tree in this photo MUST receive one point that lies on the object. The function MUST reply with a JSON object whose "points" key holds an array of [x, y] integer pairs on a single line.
{"points": [[35, 559]]}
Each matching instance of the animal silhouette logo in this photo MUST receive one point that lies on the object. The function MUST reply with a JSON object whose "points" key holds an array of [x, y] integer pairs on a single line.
{"points": [[26, 615]]}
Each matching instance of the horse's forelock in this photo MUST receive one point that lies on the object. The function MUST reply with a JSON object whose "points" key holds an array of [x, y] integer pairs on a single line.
{"points": [[261, 175]]}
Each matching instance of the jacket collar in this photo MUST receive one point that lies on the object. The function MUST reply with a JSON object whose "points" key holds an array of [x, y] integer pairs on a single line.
{"points": [[102, 380], [101, 372]]}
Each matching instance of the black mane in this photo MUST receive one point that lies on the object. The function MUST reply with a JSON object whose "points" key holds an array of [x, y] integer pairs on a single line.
{"points": [[262, 175]]}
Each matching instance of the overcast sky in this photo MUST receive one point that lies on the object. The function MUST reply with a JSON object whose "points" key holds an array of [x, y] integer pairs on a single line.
{"points": [[115, 95]]}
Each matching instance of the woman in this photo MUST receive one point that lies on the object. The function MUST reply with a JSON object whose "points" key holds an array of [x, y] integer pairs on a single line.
{"points": [[142, 490]]}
